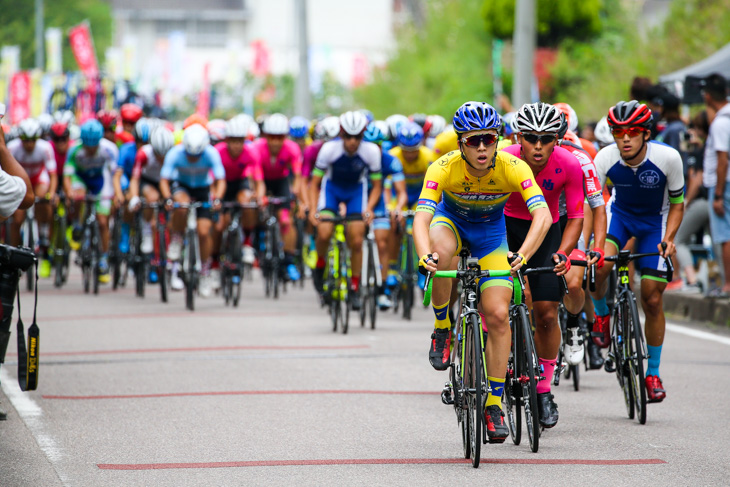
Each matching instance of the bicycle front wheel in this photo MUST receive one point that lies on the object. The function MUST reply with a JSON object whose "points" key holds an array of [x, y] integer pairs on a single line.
{"points": [[474, 399], [512, 394], [635, 345], [162, 263], [190, 273], [529, 380]]}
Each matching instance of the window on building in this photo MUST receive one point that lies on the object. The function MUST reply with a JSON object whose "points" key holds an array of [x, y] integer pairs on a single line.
{"points": [[198, 33]]}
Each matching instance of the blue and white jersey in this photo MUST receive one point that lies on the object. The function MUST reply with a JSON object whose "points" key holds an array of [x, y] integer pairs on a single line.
{"points": [[177, 167], [348, 171], [392, 168], [646, 189]]}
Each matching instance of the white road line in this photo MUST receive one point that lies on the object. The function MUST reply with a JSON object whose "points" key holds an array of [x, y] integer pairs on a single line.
{"points": [[32, 415], [698, 334]]}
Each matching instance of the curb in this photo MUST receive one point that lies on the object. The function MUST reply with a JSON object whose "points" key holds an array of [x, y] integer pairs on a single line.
{"points": [[698, 308]]}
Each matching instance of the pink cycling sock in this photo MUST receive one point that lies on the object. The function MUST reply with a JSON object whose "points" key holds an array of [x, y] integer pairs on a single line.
{"points": [[548, 368]]}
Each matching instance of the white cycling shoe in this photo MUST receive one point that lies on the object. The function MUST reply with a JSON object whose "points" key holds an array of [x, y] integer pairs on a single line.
{"points": [[573, 349]]}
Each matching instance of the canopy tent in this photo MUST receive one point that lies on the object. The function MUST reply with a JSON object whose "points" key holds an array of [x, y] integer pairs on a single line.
{"points": [[685, 81]]}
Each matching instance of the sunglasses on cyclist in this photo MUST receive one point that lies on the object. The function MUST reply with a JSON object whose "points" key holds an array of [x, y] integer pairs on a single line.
{"points": [[60, 139], [345, 135], [631, 131], [477, 140], [544, 139]]}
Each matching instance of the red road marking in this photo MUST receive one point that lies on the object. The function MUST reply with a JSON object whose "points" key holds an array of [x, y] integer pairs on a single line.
{"points": [[205, 349], [238, 393], [375, 461], [188, 314]]}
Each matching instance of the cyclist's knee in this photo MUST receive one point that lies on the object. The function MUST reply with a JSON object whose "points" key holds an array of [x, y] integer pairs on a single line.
{"points": [[546, 315], [204, 225], [652, 303]]}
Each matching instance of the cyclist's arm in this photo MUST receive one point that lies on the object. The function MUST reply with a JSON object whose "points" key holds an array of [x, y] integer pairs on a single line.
{"points": [[118, 181], [219, 189], [421, 237], [260, 189], [600, 223], [314, 187], [165, 189], [13, 168], [133, 187], [541, 222], [376, 192], [53, 185], [50, 163], [401, 194]]}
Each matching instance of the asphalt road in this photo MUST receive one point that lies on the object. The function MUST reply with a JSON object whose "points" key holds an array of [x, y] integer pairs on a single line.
{"points": [[134, 392]]}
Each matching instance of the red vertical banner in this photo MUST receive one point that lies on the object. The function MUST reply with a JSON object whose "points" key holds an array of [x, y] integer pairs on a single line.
{"points": [[19, 96], [82, 46], [261, 59], [204, 97], [359, 70]]}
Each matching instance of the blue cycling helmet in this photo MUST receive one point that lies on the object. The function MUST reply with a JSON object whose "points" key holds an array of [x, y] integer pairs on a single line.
{"points": [[476, 115], [298, 127], [410, 135], [368, 114], [91, 133], [374, 134]]}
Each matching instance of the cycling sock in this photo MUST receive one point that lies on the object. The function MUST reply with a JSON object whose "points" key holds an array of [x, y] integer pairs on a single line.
{"points": [[494, 398], [356, 283], [320, 262], [442, 316], [655, 356], [600, 306], [548, 368], [572, 321], [393, 267]]}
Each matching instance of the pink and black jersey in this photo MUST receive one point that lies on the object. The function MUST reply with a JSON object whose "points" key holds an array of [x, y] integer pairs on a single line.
{"points": [[561, 173], [246, 165], [289, 160]]}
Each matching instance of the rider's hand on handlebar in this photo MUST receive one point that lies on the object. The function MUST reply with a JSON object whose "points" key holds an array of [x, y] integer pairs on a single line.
{"points": [[169, 203], [667, 250], [367, 217], [428, 263], [516, 260], [119, 199], [134, 203], [562, 263], [596, 256]]}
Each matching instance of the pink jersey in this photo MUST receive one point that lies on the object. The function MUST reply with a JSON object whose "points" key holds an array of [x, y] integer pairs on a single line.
{"points": [[562, 172], [288, 161], [310, 157], [60, 157], [591, 184], [247, 165]]}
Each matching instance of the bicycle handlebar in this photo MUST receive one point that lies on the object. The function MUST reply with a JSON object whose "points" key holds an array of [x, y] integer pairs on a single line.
{"points": [[624, 254], [459, 274]]}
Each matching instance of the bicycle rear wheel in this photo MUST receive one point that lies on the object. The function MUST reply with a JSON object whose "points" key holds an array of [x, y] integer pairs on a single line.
{"points": [[372, 293], [190, 273], [623, 374], [635, 345], [162, 263], [512, 395], [115, 258], [528, 379], [475, 403]]}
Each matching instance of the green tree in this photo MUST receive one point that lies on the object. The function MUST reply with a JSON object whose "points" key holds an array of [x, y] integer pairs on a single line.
{"points": [[437, 69], [18, 26], [556, 19]]}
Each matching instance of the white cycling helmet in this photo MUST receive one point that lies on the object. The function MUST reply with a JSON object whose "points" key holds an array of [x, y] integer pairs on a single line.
{"points": [[275, 124], [328, 128], [602, 132], [394, 123], [162, 141], [237, 127], [438, 124], [46, 120], [195, 139], [353, 123], [29, 129], [65, 116], [217, 129], [538, 117]]}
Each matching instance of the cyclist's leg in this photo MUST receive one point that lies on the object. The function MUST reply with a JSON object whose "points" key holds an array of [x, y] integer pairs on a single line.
{"points": [[179, 215], [43, 213], [17, 221]]}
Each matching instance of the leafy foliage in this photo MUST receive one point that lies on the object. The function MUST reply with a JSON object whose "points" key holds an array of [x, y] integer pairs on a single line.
{"points": [[556, 19], [18, 26]]}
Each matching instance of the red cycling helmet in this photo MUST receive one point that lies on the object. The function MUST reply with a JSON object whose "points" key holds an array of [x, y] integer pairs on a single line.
{"points": [[108, 119], [59, 130], [131, 112], [629, 114]]}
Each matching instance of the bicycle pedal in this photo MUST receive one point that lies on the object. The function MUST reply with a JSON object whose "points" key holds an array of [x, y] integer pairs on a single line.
{"points": [[609, 365]]}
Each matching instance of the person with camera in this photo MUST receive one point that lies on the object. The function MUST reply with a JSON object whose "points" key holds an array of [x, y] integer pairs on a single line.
{"points": [[16, 192]]}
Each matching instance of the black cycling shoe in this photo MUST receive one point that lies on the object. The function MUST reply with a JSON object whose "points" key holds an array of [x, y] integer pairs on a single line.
{"points": [[355, 301], [3, 414], [548, 410], [497, 429], [595, 359], [440, 349]]}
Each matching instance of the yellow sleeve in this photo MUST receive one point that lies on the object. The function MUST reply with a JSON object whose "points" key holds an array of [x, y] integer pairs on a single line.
{"points": [[433, 186], [446, 142], [522, 180]]}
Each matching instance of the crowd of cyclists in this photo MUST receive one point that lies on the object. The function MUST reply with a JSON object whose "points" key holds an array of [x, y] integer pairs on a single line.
{"points": [[517, 190]]}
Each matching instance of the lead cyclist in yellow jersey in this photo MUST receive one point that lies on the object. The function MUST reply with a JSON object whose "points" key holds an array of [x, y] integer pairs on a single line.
{"points": [[462, 202]]}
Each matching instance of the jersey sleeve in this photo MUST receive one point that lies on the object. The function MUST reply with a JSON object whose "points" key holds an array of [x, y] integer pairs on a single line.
{"points": [[433, 186], [12, 192], [324, 158], [675, 178], [602, 161], [253, 169], [296, 159], [139, 162], [591, 183], [395, 168], [168, 166], [49, 159], [574, 188], [373, 157], [69, 169], [521, 180]]}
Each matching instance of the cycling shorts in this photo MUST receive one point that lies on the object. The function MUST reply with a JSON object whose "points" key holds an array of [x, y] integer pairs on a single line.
{"points": [[41, 178], [331, 195], [145, 182], [233, 188], [278, 188], [197, 195], [105, 189], [543, 287], [649, 232], [487, 242]]}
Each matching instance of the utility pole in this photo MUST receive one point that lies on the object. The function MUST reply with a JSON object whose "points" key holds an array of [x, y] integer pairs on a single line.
{"points": [[303, 98], [525, 40], [39, 44]]}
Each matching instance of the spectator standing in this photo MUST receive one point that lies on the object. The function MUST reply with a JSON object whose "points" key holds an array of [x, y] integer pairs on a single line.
{"points": [[716, 174]]}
